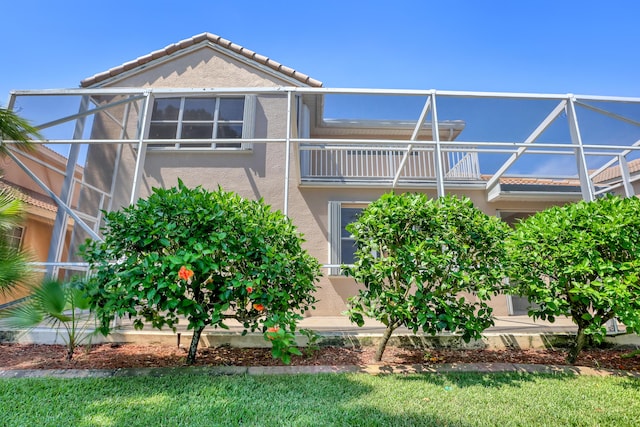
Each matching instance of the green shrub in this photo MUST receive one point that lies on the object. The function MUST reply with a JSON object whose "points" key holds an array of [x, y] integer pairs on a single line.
{"points": [[581, 260], [416, 256], [208, 256]]}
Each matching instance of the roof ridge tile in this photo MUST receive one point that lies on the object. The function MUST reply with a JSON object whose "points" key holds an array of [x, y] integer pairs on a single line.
{"points": [[200, 38]]}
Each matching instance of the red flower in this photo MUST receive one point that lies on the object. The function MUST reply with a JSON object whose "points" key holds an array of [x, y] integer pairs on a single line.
{"points": [[185, 273], [272, 333], [249, 289], [258, 307]]}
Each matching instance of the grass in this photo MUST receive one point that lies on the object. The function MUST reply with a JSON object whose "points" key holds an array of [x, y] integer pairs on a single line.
{"points": [[323, 400]]}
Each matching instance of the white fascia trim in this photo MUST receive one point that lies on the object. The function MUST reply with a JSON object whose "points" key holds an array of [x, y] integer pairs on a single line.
{"points": [[454, 124]]}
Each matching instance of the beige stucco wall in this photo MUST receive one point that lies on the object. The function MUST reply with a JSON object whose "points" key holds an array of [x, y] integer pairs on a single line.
{"points": [[255, 174], [204, 66], [308, 209]]}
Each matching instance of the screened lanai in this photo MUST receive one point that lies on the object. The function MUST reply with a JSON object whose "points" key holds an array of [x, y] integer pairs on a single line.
{"points": [[514, 147]]}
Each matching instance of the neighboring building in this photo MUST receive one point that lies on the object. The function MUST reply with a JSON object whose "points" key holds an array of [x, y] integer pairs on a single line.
{"points": [[33, 234], [213, 113], [612, 176]]}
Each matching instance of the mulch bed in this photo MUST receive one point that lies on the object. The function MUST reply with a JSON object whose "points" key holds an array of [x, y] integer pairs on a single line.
{"points": [[112, 356]]}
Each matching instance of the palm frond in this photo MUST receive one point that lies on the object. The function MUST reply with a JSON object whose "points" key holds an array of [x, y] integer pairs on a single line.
{"points": [[14, 270], [16, 129], [51, 297], [23, 316], [11, 209]]}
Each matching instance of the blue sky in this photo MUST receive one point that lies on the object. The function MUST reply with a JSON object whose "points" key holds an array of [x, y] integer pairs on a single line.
{"points": [[584, 47], [544, 46]]}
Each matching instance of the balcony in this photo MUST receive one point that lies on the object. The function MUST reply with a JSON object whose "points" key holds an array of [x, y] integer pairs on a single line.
{"points": [[358, 164]]}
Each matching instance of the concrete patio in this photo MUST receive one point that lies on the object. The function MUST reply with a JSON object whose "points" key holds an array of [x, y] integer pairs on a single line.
{"points": [[508, 332]]}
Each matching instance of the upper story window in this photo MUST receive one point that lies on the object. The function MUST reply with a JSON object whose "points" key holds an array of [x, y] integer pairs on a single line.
{"points": [[201, 118]]}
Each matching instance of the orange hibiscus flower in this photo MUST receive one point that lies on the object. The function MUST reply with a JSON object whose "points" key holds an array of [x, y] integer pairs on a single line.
{"points": [[185, 273]]}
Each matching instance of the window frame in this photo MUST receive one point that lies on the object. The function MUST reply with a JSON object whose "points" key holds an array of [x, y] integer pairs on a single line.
{"points": [[206, 144], [513, 300], [14, 241], [336, 238]]}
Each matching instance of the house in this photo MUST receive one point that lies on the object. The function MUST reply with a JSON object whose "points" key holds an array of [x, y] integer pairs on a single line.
{"points": [[213, 113], [34, 234]]}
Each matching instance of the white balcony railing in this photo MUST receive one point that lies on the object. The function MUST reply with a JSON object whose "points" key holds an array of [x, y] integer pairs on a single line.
{"points": [[356, 163]]}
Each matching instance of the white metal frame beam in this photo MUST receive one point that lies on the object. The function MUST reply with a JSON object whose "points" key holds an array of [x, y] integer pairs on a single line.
{"points": [[626, 176], [438, 149], [530, 140], [141, 98], [586, 184], [142, 148], [87, 112], [60, 223], [287, 154], [414, 137], [55, 197]]}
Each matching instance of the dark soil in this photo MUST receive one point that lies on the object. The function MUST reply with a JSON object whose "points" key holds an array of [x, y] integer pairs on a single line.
{"points": [[111, 356]]}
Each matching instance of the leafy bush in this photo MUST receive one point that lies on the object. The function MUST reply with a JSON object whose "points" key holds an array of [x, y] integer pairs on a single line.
{"points": [[581, 260], [416, 256], [208, 256]]}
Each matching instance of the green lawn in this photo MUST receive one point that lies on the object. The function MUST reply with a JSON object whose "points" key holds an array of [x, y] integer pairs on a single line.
{"points": [[320, 400]]}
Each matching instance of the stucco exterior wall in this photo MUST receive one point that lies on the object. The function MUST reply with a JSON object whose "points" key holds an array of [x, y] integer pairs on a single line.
{"points": [[244, 172], [309, 207], [254, 174], [204, 66]]}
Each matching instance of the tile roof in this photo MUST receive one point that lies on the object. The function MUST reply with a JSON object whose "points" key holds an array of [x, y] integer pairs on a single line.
{"points": [[535, 181], [29, 197], [201, 38], [614, 171]]}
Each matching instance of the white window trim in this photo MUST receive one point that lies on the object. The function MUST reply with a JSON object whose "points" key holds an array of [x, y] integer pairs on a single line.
{"points": [[335, 231], [248, 128], [509, 297]]}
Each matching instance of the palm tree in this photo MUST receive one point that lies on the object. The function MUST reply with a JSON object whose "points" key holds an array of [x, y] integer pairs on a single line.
{"points": [[14, 269], [13, 264], [60, 305], [17, 130]]}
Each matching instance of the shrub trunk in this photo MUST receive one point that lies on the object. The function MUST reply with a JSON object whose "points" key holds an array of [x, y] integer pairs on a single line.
{"points": [[383, 342], [193, 348], [581, 340]]}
